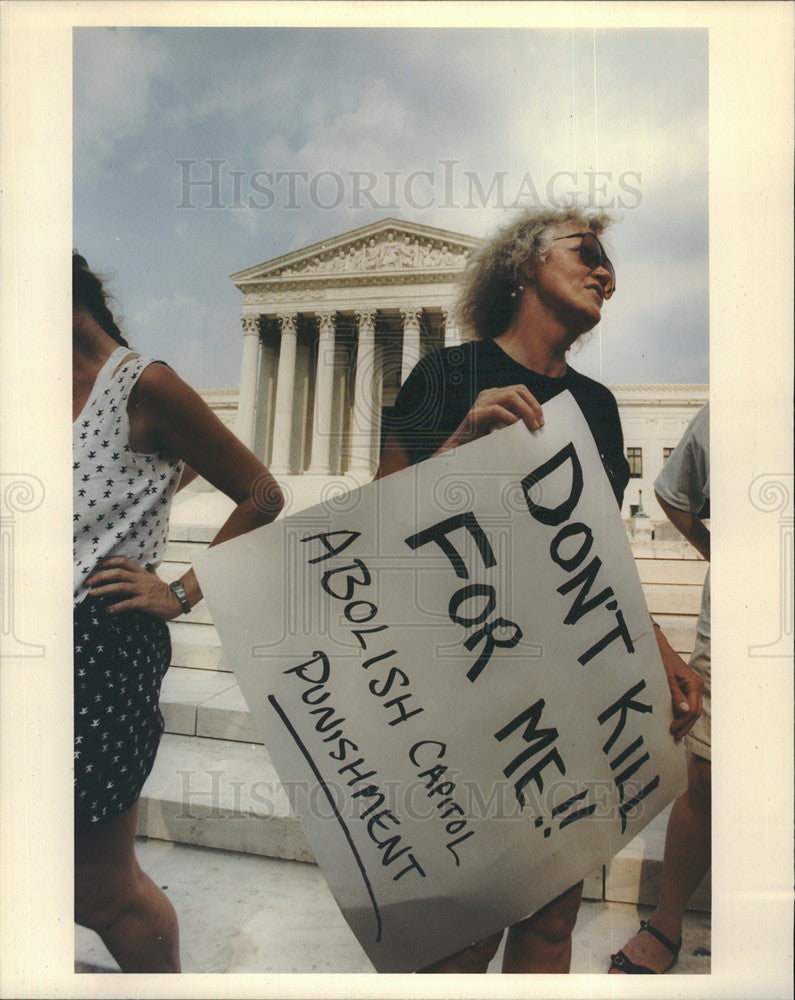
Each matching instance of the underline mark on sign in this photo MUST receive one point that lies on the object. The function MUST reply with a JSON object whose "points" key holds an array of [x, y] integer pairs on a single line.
{"points": [[298, 742]]}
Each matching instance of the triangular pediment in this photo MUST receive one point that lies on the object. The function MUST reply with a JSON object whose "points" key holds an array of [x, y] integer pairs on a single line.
{"points": [[384, 249]]}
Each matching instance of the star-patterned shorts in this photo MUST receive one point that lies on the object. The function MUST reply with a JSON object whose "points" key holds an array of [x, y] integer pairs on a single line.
{"points": [[120, 661]]}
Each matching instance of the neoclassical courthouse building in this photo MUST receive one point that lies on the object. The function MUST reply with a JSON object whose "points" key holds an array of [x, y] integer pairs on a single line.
{"points": [[330, 332]]}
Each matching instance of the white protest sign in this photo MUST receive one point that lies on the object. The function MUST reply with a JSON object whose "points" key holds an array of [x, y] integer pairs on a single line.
{"points": [[458, 683]]}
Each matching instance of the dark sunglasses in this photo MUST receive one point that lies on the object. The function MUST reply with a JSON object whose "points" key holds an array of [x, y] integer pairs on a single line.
{"points": [[593, 255]]}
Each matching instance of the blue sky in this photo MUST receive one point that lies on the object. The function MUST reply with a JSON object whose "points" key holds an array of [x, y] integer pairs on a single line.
{"points": [[431, 121]]}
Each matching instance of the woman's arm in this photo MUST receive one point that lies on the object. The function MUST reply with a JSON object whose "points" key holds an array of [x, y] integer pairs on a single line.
{"points": [[393, 458], [685, 685], [167, 416], [492, 409], [188, 475], [689, 525]]}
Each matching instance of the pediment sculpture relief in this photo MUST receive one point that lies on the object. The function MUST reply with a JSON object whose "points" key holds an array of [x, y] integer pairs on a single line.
{"points": [[396, 252]]}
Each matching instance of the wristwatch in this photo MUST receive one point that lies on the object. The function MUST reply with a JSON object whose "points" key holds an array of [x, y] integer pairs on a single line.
{"points": [[179, 592]]}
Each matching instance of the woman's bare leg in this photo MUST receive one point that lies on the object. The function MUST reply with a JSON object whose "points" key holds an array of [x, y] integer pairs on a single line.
{"points": [[115, 898], [686, 860], [474, 958], [542, 943]]}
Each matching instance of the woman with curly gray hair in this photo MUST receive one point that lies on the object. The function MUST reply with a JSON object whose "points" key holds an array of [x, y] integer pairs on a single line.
{"points": [[497, 270], [530, 292]]}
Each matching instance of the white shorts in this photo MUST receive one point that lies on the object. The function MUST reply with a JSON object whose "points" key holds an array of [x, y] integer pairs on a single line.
{"points": [[699, 740]]}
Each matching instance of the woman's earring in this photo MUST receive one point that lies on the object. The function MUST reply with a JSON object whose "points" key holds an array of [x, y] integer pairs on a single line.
{"points": [[519, 288]]}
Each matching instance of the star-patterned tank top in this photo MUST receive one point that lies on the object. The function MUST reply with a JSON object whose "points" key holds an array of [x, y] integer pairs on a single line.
{"points": [[122, 498]]}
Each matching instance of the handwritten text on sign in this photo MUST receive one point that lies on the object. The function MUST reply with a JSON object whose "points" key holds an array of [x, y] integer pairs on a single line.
{"points": [[456, 679]]}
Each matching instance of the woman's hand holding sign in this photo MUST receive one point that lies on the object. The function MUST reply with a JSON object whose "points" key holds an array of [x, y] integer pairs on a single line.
{"points": [[494, 409]]}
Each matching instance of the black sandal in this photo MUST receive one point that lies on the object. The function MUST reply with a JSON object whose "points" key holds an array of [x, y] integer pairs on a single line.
{"points": [[620, 961]]}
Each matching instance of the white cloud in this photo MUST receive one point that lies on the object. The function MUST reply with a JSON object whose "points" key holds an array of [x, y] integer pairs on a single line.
{"points": [[113, 73], [518, 102], [369, 137], [189, 335]]}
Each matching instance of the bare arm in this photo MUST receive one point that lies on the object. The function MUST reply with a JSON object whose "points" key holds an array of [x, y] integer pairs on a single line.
{"points": [[393, 458], [493, 409], [689, 525], [188, 475], [167, 415], [685, 685]]}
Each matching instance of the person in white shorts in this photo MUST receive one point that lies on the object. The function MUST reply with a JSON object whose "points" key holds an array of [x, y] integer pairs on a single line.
{"points": [[682, 489]]}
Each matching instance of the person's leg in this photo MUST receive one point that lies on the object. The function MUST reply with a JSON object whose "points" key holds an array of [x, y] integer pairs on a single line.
{"points": [[115, 898], [686, 860], [542, 943], [688, 848], [474, 958]]}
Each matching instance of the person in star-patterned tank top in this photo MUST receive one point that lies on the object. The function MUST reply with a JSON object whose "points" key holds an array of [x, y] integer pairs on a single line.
{"points": [[139, 434]]}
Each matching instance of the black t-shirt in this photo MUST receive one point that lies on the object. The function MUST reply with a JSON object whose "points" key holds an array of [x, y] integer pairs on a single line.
{"points": [[441, 389]]}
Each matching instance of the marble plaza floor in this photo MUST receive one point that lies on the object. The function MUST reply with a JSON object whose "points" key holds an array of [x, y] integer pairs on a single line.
{"points": [[245, 913]]}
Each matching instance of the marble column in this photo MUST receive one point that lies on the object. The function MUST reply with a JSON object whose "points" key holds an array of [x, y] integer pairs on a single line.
{"points": [[324, 396], [244, 427], [452, 334], [411, 340], [285, 392], [266, 388], [363, 416]]}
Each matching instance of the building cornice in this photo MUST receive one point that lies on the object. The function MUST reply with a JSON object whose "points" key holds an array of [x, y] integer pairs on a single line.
{"points": [[662, 394]]}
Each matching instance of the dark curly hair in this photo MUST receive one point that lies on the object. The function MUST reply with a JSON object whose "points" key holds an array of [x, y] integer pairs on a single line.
{"points": [[87, 291]]}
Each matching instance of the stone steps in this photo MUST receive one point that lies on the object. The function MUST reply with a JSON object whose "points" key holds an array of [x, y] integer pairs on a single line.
{"points": [[213, 785], [221, 794], [633, 875], [185, 690], [197, 702]]}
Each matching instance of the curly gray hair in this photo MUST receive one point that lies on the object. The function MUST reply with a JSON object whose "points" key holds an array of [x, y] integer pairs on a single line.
{"points": [[488, 298]]}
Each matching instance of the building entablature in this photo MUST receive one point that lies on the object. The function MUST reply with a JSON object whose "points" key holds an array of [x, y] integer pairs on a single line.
{"points": [[350, 299], [662, 394]]}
